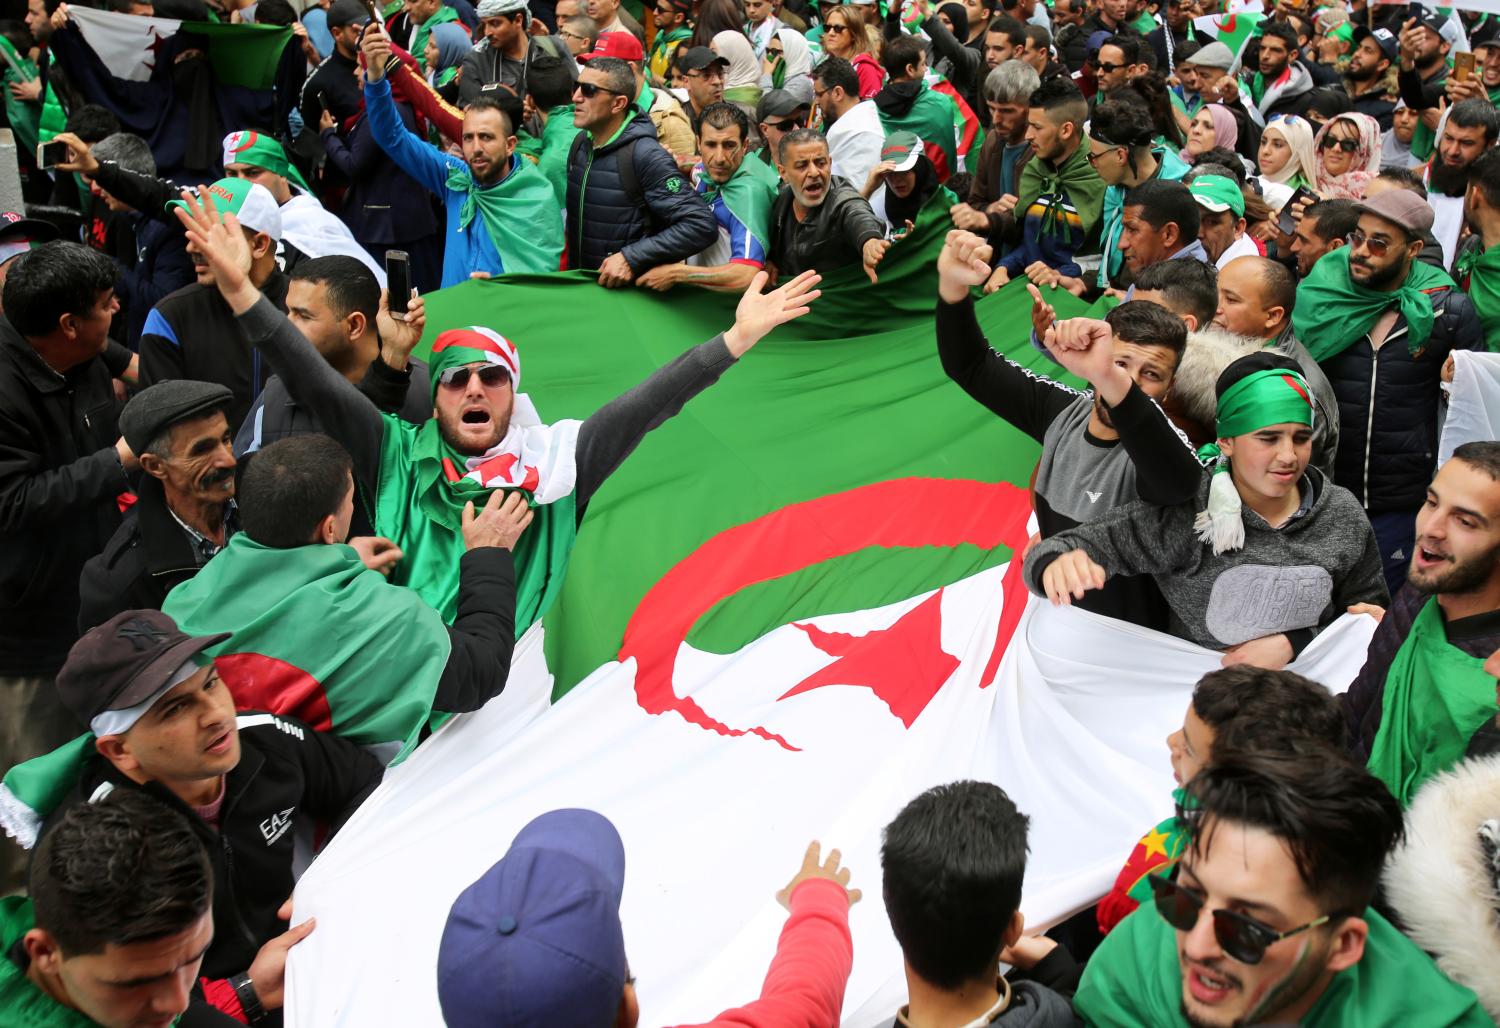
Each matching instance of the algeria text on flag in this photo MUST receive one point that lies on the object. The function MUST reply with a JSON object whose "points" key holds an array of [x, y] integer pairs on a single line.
{"points": [[788, 613], [241, 55]]}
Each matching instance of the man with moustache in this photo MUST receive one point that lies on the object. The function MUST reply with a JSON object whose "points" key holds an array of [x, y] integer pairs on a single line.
{"points": [[184, 511], [1381, 323], [1423, 691], [1267, 919], [1472, 128], [820, 221]]}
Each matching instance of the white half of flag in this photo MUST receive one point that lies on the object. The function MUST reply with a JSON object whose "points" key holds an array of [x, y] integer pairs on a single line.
{"points": [[1073, 727], [127, 45]]}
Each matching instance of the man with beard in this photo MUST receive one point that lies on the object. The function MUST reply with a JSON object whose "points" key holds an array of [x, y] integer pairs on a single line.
{"points": [[184, 511], [852, 126], [820, 221], [1471, 129], [1102, 448], [1424, 61], [519, 228], [1282, 85], [1370, 78], [1477, 267], [1381, 324], [1124, 154], [1423, 690], [1267, 920], [990, 206]]}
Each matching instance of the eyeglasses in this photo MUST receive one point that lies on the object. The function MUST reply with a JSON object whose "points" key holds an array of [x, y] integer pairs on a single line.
{"points": [[1377, 247], [1346, 145], [571, 35], [791, 125], [1241, 937], [833, 30], [490, 375], [1093, 158], [591, 90], [707, 74]]}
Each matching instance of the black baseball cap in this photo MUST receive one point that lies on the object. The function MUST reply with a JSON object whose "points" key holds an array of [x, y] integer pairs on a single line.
{"points": [[778, 103], [125, 661], [699, 57]]}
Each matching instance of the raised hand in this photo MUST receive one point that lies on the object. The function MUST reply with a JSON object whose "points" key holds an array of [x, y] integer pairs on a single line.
{"points": [[376, 46], [1043, 315], [499, 523], [1070, 576], [80, 158], [814, 867], [963, 264], [400, 335], [759, 312], [222, 243]]}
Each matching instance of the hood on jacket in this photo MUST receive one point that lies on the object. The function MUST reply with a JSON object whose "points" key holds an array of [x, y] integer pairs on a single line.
{"points": [[639, 126], [1300, 81], [1439, 882], [1209, 351], [896, 98]]}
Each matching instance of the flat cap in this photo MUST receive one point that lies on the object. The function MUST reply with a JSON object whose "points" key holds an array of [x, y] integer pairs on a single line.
{"points": [[1402, 208], [161, 406], [1214, 55]]}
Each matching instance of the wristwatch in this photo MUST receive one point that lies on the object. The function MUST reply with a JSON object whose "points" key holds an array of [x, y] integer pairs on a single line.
{"points": [[244, 989]]}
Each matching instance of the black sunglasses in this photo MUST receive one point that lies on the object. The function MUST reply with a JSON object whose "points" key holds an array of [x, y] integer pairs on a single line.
{"points": [[490, 375], [1346, 145], [1241, 937], [591, 90], [790, 125], [1106, 67]]}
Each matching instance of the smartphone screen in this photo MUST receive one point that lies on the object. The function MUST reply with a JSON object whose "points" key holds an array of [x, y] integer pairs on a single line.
{"points": [[398, 282], [50, 155], [1285, 222]]}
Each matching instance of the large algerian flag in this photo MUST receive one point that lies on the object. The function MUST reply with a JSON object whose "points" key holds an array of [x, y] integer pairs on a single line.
{"points": [[788, 612], [1234, 29], [241, 55]]}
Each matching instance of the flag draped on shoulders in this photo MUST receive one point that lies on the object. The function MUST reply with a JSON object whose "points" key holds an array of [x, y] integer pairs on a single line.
{"points": [[519, 212], [315, 634], [425, 484], [931, 116], [1333, 311], [1436, 696], [749, 194]]}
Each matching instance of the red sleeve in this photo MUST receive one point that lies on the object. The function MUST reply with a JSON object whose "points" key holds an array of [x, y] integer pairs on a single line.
{"points": [[871, 77], [805, 986], [220, 995], [412, 88]]}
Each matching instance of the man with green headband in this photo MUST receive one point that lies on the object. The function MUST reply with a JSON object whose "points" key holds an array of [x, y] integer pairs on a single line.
{"points": [[485, 435], [1381, 324], [1267, 554], [305, 225], [1424, 690]]}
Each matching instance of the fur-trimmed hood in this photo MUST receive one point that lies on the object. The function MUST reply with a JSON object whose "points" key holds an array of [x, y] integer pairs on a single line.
{"points": [[1209, 351], [1441, 886]]}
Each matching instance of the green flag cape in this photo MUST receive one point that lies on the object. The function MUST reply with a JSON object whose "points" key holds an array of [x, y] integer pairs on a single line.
{"points": [[1333, 312], [749, 194], [519, 213], [23, 1003], [1436, 696], [557, 139], [1076, 179], [1481, 268], [864, 357], [24, 118], [1133, 980], [932, 117], [317, 635]]}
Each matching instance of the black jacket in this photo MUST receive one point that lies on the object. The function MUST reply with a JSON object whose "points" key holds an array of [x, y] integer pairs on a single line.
{"points": [[1389, 415], [147, 557], [59, 477], [1074, 50], [832, 236], [159, 265], [384, 205], [192, 334], [333, 80], [668, 222], [287, 773]]}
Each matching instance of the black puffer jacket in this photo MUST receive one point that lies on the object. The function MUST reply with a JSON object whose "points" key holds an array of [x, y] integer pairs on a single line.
{"points": [[668, 222], [1388, 406]]}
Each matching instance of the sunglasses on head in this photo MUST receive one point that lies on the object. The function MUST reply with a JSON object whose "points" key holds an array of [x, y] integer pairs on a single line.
{"points": [[1241, 937], [490, 375], [591, 90], [1346, 145]]}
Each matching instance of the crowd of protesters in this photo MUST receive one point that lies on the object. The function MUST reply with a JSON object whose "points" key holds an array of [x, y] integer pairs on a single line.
{"points": [[207, 389]]}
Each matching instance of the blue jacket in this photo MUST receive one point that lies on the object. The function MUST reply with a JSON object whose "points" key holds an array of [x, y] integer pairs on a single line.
{"points": [[383, 204], [162, 266], [464, 251], [668, 223]]}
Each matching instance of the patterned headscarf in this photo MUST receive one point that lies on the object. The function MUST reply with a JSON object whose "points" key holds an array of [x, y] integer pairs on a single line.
{"points": [[1366, 165]]}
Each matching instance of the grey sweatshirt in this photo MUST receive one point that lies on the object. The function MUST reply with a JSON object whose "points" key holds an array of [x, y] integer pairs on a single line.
{"points": [[1295, 579]]}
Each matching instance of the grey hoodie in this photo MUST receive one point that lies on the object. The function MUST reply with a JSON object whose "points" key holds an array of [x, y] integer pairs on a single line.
{"points": [[1289, 97], [1295, 579], [1031, 1006]]}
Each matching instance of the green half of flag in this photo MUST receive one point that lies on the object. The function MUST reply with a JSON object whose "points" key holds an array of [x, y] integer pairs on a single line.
{"points": [[519, 213], [242, 55], [933, 118]]}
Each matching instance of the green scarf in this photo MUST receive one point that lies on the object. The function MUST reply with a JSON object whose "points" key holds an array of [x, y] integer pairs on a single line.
{"points": [[442, 15], [311, 631], [1436, 697], [25, 1005], [1333, 312], [659, 60], [743, 95], [557, 140], [749, 194], [24, 117], [1169, 168], [1134, 979], [520, 213], [1479, 269], [1076, 179]]}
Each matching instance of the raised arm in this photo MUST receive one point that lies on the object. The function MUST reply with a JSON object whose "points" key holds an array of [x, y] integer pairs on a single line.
{"points": [[1135, 539], [145, 193], [609, 435], [311, 381], [418, 159]]}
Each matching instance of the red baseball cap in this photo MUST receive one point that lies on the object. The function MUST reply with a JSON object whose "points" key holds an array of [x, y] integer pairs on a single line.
{"points": [[623, 45]]}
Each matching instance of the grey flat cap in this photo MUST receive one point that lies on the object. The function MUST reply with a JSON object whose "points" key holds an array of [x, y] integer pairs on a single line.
{"points": [[163, 405]]}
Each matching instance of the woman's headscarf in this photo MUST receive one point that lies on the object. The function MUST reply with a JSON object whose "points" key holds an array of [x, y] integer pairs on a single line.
{"points": [[452, 43], [958, 17], [1366, 165], [795, 52], [1226, 130], [744, 69], [1298, 133]]}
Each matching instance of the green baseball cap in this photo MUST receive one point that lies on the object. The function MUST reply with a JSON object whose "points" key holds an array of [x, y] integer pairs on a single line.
{"points": [[252, 203], [1217, 193], [902, 149]]}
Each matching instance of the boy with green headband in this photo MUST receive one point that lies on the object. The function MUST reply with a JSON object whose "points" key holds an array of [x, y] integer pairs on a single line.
{"points": [[1424, 690], [1268, 554], [1381, 323]]}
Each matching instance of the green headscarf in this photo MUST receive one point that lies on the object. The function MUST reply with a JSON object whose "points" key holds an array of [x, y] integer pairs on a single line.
{"points": [[1333, 311], [251, 147]]}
